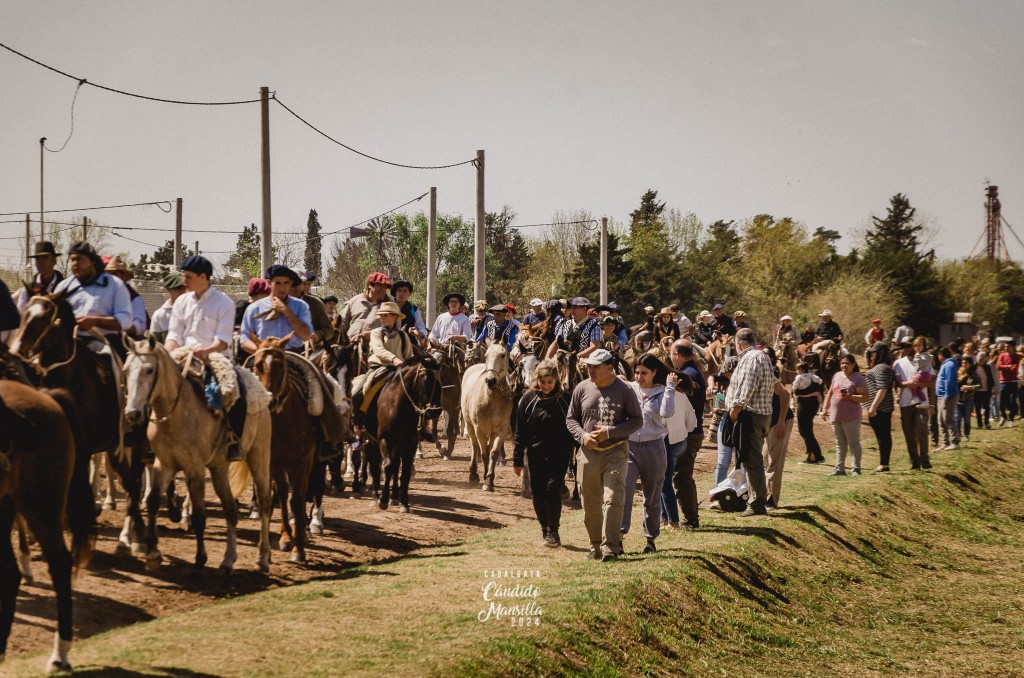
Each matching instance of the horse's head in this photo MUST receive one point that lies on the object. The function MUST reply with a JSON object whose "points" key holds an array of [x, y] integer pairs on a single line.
{"points": [[423, 373], [41, 316], [141, 375], [270, 364], [526, 369], [495, 365]]}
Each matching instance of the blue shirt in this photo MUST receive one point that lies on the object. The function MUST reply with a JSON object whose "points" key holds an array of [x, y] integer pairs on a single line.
{"points": [[508, 331], [104, 296], [279, 327], [534, 318], [946, 385], [699, 397]]}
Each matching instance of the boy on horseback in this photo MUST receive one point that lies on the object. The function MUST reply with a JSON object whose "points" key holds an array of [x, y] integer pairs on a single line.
{"points": [[580, 334], [390, 347]]}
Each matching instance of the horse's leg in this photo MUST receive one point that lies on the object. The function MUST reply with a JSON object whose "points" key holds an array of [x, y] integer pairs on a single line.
{"points": [[197, 491], [389, 475], [110, 500], [317, 486], [131, 479], [497, 450], [403, 498], [337, 473], [219, 475], [46, 526], [299, 505], [357, 456], [257, 456], [474, 476], [159, 479], [373, 462], [10, 577], [24, 554], [81, 512], [281, 481], [451, 432]]}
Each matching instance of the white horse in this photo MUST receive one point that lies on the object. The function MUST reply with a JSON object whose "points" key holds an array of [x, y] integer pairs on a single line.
{"points": [[487, 411], [186, 436]]}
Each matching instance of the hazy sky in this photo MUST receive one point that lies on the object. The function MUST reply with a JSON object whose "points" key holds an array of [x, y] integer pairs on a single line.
{"points": [[816, 110]]}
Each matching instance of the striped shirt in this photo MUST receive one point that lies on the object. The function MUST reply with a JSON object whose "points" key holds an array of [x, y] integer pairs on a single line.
{"points": [[752, 383]]}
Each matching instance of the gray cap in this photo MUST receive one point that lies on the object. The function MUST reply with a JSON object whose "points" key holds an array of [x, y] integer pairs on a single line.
{"points": [[598, 357]]}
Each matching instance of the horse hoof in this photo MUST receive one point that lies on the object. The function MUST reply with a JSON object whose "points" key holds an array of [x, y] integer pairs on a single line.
{"points": [[316, 528], [225, 570], [138, 549], [55, 666], [109, 505], [122, 549], [153, 562], [383, 504], [263, 568], [487, 488], [254, 515], [419, 455], [404, 508], [286, 546], [296, 558]]}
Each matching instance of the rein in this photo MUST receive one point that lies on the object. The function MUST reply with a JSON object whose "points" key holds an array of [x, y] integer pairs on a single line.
{"points": [[41, 370], [177, 398], [277, 400], [422, 411]]}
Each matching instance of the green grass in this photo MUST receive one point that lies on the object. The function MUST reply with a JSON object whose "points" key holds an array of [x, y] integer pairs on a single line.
{"points": [[905, 573]]}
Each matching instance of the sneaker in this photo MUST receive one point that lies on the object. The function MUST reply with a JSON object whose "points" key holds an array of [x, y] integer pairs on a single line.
{"points": [[952, 446], [855, 472], [926, 465], [882, 469], [650, 547], [1009, 424], [595, 554], [608, 557], [552, 540], [838, 472], [770, 504], [967, 439], [751, 511]]}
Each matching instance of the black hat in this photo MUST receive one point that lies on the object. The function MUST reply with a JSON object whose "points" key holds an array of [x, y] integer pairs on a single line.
{"points": [[85, 248], [330, 298], [877, 346], [401, 283], [197, 264], [282, 271], [603, 307], [454, 295], [42, 248]]}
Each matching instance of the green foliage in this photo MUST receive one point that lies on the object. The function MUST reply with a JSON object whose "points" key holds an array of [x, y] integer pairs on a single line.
{"points": [[714, 261], [585, 277], [655, 274], [854, 297], [508, 258], [245, 260], [312, 256]]}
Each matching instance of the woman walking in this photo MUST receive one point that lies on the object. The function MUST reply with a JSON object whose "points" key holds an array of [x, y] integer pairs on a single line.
{"points": [[880, 402], [655, 388], [842, 404], [544, 440], [983, 394], [807, 388], [967, 380]]}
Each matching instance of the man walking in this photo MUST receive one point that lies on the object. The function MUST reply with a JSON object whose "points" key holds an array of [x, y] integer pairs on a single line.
{"points": [[947, 390], [914, 410], [603, 412], [682, 480]]}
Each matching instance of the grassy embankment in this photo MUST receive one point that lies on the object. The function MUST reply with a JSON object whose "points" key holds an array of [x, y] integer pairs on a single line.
{"points": [[908, 572]]}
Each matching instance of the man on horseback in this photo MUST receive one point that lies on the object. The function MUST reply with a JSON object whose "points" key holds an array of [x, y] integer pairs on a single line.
{"points": [[324, 333], [100, 301], [536, 315], [724, 325], [390, 347], [412, 320], [160, 323], [500, 328], [278, 315], [452, 326], [140, 318], [827, 330], [580, 334], [359, 317], [203, 319], [47, 276]]}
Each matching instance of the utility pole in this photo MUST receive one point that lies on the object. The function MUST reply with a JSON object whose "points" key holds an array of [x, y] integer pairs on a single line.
{"points": [[42, 146], [432, 257], [85, 228], [604, 260], [266, 255], [480, 245], [197, 247], [177, 235], [28, 238]]}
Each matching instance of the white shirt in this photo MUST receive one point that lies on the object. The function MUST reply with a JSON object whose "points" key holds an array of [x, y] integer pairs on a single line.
{"points": [[684, 324], [139, 315], [905, 370], [805, 379], [161, 320], [200, 322], [447, 326]]}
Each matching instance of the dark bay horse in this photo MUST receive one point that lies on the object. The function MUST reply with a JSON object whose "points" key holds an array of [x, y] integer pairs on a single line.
{"points": [[341, 363], [37, 460], [452, 361], [46, 340], [411, 395], [294, 440]]}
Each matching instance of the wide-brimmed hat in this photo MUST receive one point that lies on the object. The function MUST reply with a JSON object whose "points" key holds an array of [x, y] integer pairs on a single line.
{"points": [[666, 311], [117, 265], [536, 302], [173, 281], [598, 357], [392, 308], [401, 283], [739, 314], [454, 295], [786, 317], [42, 248], [824, 313]]}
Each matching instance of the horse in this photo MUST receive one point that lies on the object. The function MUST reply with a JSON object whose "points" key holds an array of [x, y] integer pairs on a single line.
{"points": [[339, 362], [294, 439], [46, 341], [487, 408], [824, 362], [787, 359], [568, 369], [185, 435], [452, 361], [411, 395], [37, 461]]}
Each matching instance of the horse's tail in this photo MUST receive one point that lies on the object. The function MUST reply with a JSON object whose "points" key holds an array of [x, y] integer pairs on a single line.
{"points": [[80, 513], [239, 477]]}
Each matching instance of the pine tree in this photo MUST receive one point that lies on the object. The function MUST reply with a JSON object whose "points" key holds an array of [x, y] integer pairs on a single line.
{"points": [[312, 258], [247, 255], [656, 275], [584, 280]]}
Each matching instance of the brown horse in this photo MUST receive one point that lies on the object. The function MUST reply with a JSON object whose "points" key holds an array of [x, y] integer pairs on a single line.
{"points": [[37, 459], [338, 361], [452, 361], [294, 439]]}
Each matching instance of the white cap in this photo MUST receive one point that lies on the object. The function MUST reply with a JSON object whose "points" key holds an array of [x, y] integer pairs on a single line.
{"points": [[786, 317], [824, 313], [598, 357], [536, 302]]}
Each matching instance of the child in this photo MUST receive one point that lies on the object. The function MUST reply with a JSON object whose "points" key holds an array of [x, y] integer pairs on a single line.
{"points": [[923, 365]]}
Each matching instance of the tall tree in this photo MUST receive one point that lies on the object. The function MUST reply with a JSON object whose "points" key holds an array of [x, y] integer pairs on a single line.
{"points": [[656, 275], [244, 262], [313, 259], [714, 262], [163, 255], [584, 279], [508, 258]]}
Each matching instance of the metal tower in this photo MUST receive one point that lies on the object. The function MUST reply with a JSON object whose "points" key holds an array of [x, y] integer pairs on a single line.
{"points": [[995, 243]]}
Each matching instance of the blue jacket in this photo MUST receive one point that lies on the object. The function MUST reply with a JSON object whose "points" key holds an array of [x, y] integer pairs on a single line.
{"points": [[946, 385]]}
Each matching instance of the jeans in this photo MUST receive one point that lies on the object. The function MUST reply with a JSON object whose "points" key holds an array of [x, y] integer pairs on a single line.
{"points": [[914, 420], [686, 488], [947, 420], [847, 439], [806, 410], [647, 461], [726, 455], [881, 424], [1008, 400], [982, 402], [669, 508], [963, 417]]}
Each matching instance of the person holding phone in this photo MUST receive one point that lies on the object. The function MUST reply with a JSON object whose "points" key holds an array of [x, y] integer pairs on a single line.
{"points": [[843, 405]]}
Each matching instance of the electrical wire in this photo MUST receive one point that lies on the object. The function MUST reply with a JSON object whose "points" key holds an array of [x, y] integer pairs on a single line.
{"points": [[366, 155], [72, 132], [159, 204], [348, 228], [83, 81]]}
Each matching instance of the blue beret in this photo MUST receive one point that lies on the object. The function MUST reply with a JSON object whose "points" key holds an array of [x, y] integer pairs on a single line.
{"points": [[197, 264], [280, 270]]}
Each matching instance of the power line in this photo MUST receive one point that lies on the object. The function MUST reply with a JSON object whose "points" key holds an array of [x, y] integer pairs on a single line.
{"points": [[348, 228], [367, 155], [83, 81], [72, 132], [159, 204]]}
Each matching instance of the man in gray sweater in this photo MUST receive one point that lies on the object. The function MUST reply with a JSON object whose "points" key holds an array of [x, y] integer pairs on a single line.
{"points": [[602, 413]]}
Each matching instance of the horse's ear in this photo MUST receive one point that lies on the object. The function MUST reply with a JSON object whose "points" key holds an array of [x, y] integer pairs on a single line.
{"points": [[284, 340], [151, 339], [129, 343]]}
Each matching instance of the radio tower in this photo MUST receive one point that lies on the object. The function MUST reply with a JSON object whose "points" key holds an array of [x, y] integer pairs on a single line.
{"points": [[995, 244]]}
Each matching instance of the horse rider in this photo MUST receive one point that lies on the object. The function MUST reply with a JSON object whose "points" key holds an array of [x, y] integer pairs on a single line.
{"points": [[536, 315], [100, 301], [612, 311], [480, 317], [787, 332], [876, 334], [140, 319], [740, 320], [500, 328], [279, 314], [704, 331], [665, 325], [390, 347], [359, 317], [203, 319], [580, 334], [331, 304], [257, 289], [827, 330], [903, 332], [324, 333], [47, 276], [553, 322], [160, 323], [452, 326], [609, 338], [724, 325], [685, 325], [412, 323]]}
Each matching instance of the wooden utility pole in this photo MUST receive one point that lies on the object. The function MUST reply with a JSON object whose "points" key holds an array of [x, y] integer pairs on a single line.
{"points": [[177, 235], [197, 247], [85, 228], [42, 146], [266, 255], [432, 258], [28, 238], [604, 260], [480, 243]]}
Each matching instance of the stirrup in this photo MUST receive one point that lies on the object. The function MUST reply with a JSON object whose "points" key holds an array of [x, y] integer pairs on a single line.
{"points": [[235, 452]]}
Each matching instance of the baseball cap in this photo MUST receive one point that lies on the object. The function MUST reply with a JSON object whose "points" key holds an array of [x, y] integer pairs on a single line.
{"points": [[598, 357]]}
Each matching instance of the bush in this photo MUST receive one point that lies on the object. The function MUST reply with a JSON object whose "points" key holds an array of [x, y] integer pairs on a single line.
{"points": [[855, 297]]}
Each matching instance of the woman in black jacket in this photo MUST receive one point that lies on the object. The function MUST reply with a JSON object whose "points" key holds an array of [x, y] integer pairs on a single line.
{"points": [[542, 437]]}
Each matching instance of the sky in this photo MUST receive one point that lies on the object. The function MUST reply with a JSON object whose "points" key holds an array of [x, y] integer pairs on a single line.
{"points": [[820, 111]]}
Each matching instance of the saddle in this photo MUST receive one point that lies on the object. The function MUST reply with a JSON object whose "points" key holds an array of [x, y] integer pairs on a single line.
{"points": [[223, 372]]}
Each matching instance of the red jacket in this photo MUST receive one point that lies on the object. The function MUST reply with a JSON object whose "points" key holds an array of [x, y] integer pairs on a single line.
{"points": [[1007, 364]]}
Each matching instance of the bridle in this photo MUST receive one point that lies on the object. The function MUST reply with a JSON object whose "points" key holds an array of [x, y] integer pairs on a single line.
{"points": [[156, 378], [422, 411], [277, 400], [53, 321]]}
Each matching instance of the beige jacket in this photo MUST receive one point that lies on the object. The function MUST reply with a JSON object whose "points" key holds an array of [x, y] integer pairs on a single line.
{"points": [[386, 346]]}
